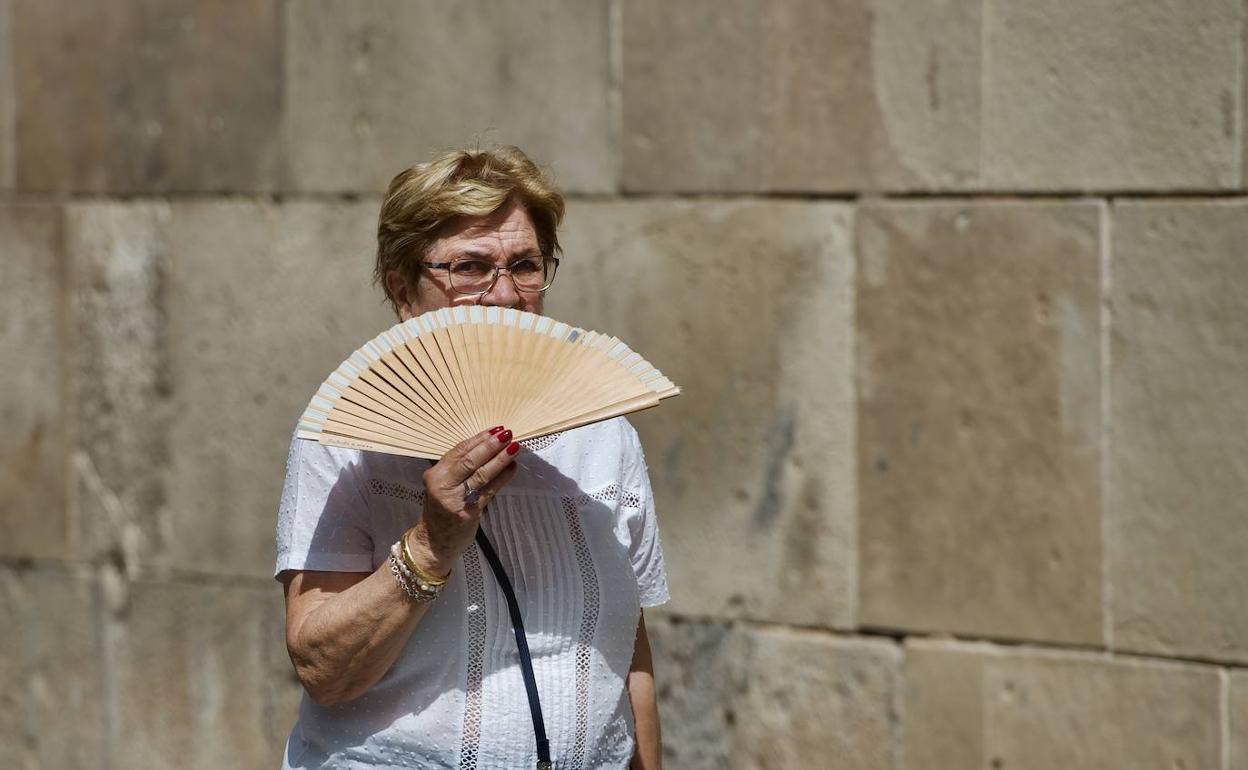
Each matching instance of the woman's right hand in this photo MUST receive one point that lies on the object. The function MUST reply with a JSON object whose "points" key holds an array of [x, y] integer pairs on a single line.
{"points": [[448, 525]]}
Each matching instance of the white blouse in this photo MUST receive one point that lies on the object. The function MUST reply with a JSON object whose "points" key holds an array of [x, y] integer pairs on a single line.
{"points": [[576, 532]]}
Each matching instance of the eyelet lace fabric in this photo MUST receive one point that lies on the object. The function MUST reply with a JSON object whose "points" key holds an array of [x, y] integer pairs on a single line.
{"points": [[541, 442], [471, 743], [589, 626], [396, 490]]}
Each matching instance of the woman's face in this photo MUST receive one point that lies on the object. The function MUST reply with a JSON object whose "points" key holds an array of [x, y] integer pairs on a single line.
{"points": [[501, 238]]}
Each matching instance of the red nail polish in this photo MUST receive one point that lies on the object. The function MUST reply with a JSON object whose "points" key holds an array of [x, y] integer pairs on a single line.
{"points": [[504, 437], [512, 448], [495, 429]]}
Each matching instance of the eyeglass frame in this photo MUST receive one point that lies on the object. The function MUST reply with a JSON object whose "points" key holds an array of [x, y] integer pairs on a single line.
{"points": [[496, 268]]}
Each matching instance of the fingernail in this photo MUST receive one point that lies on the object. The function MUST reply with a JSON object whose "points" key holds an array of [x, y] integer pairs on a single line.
{"points": [[513, 447], [495, 429], [504, 437]]}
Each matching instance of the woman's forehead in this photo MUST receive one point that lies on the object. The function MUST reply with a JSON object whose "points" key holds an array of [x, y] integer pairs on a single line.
{"points": [[510, 228]]}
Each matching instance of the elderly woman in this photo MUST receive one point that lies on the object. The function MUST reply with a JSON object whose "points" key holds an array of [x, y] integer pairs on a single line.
{"points": [[415, 663]]}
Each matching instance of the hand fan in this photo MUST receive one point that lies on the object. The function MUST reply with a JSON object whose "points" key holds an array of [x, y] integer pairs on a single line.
{"points": [[423, 386]]}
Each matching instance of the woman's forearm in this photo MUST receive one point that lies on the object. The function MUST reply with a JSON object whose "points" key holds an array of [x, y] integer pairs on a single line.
{"points": [[346, 632], [644, 702]]}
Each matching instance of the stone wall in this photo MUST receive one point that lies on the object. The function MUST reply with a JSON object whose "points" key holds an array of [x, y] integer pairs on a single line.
{"points": [[955, 290]]}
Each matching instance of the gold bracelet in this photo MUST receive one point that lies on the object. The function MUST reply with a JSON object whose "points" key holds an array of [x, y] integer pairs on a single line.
{"points": [[410, 563]]}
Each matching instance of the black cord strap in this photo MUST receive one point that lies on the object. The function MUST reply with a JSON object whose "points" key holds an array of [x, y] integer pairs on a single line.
{"points": [[522, 644]]}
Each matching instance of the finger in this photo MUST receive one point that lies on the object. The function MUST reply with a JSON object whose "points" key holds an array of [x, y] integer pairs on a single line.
{"points": [[458, 463], [495, 484], [494, 466], [461, 450]]}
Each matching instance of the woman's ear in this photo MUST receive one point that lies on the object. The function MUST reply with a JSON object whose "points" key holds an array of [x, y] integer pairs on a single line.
{"points": [[400, 295]]}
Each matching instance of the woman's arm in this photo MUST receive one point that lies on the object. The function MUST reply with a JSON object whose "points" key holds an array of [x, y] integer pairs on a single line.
{"points": [[641, 696], [344, 630]]}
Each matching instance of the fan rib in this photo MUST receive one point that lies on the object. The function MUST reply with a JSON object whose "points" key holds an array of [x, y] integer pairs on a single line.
{"points": [[421, 375]]}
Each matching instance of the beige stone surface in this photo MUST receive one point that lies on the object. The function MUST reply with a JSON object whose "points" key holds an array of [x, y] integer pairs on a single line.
{"points": [[195, 686], [746, 306], [1124, 94], [1179, 411], [1092, 714], [372, 88], [1237, 720], [142, 96], [739, 698], [802, 95], [51, 710], [942, 705], [119, 268], [978, 382], [36, 416], [8, 99], [980, 706], [265, 302]]}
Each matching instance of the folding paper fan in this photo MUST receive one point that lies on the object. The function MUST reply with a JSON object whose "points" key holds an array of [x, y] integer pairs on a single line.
{"points": [[423, 386]]}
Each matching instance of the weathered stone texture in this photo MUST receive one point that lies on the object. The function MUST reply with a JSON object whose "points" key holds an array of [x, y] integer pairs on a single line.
{"points": [[51, 713], [147, 95], [33, 500], [1179, 410], [747, 307], [973, 706], [1237, 720], [800, 95], [194, 678], [8, 111], [942, 705], [1124, 94], [119, 265], [375, 87], [978, 367], [1091, 714], [737, 698], [265, 301]]}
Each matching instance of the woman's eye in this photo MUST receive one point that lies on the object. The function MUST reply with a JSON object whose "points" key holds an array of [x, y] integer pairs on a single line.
{"points": [[526, 266], [470, 267]]}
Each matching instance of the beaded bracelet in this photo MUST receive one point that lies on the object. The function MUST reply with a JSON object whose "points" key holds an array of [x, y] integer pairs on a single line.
{"points": [[413, 586]]}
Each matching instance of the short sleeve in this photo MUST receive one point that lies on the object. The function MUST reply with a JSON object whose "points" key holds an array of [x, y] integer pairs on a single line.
{"points": [[323, 519], [638, 527]]}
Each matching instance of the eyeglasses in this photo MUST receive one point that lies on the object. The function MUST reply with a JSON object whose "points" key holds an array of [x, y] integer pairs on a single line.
{"points": [[470, 275]]}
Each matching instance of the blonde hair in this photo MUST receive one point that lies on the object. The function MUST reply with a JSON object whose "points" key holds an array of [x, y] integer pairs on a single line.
{"points": [[423, 199]]}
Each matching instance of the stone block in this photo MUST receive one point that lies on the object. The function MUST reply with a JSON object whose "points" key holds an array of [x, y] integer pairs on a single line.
{"points": [[746, 305], [34, 411], [119, 257], [977, 706], [51, 683], [1179, 415], [942, 705], [147, 95], [374, 88], [265, 301], [800, 95], [1237, 720], [979, 429], [8, 101], [193, 678], [741, 698], [1123, 94], [1087, 714]]}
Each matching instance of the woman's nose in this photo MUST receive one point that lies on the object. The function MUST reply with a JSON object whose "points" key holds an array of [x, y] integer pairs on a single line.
{"points": [[503, 293]]}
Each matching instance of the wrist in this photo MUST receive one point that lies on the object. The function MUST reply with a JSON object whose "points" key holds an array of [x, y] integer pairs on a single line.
{"points": [[424, 556]]}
